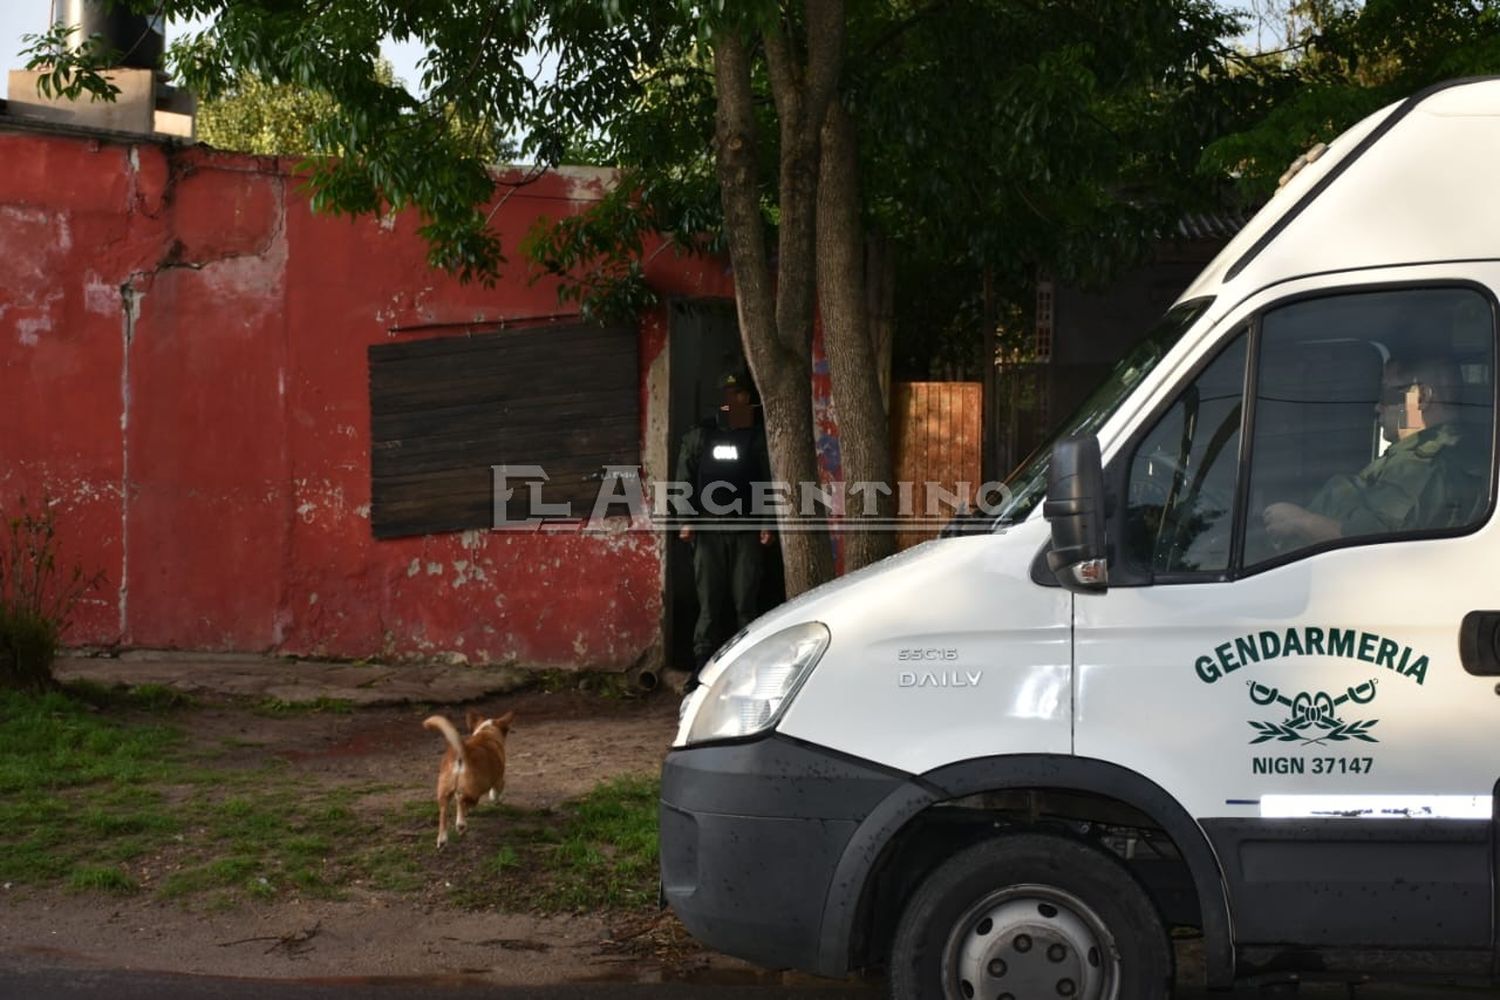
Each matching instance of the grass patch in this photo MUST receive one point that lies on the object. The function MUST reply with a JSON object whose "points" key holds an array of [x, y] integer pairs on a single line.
{"points": [[281, 707], [159, 698], [608, 685], [142, 697], [96, 878], [596, 852], [233, 872], [393, 868], [608, 853], [53, 742], [36, 855], [64, 768], [86, 799], [93, 800], [278, 837]]}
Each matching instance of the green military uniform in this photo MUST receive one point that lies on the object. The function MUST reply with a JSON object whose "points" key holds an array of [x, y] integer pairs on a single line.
{"points": [[728, 563], [1430, 480]]}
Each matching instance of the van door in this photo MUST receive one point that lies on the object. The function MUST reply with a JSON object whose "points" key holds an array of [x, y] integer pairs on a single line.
{"points": [[1297, 537]]}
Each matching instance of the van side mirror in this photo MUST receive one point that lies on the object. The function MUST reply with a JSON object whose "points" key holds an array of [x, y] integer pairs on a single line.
{"points": [[1075, 509]]}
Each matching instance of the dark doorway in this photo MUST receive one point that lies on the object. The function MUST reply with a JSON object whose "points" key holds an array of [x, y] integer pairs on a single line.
{"points": [[704, 340]]}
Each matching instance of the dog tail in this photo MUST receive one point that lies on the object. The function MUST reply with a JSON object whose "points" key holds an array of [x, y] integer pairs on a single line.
{"points": [[442, 725]]}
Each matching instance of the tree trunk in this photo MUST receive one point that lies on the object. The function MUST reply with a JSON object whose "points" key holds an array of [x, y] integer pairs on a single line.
{"points": [[864, 435], [779, 353], [880, 310]]}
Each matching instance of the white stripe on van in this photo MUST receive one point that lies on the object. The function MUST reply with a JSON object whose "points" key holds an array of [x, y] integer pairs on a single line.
{"points": [[1377, 806]]}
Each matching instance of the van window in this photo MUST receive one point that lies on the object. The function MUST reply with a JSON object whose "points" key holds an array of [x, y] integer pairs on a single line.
{"points": [[1373, 418], [1179, 512], [1027, 484]]}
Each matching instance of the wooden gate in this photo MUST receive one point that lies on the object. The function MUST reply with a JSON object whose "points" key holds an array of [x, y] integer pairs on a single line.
{"points": [[936, 443]]}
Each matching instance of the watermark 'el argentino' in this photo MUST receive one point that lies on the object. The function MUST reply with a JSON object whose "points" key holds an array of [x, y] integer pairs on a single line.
{"points": [[667, 505]]}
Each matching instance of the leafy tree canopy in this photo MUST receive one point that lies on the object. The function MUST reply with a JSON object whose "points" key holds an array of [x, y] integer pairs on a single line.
{"points": [[282, 120], [1345, 60], [264, 118]]}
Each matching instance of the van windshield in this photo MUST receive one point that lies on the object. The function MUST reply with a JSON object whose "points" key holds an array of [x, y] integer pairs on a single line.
{"points": [[1028, 484]]}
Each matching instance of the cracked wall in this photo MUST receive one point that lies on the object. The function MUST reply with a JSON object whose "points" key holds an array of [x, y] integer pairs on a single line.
{"points": [[182, 344]]}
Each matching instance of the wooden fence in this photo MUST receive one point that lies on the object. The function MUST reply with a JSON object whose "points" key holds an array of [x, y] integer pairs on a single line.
{"points": [[936, 441]]}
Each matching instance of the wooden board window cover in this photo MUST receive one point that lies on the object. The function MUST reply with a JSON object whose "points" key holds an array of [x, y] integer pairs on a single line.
{"points": [[445, 410]]}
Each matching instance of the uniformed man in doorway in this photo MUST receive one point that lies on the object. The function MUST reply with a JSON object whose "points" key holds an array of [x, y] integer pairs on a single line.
{"points": [[722, 458]]}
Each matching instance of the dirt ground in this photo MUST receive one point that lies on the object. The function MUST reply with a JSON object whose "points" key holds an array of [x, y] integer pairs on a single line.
{"points": [[562, 745]]}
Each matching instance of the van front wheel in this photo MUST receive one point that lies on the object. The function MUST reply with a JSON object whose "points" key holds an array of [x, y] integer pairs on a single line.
{"points": [[1031, 916]]}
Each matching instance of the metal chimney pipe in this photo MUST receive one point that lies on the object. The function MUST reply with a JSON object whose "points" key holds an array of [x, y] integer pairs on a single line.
{"points": [[138, 39]]}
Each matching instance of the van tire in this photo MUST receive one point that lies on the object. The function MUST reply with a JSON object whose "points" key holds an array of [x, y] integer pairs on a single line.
{"points": [[1071, 906]]}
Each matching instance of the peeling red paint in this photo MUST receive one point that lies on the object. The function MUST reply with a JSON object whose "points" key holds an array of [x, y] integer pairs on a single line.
{"points": [[182, 344]]}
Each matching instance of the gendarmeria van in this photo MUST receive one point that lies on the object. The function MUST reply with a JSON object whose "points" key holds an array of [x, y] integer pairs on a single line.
{"points": [[1227, 661]]}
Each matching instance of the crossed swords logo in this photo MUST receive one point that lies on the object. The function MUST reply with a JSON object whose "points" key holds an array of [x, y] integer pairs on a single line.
{"points": [[1313, 715]]}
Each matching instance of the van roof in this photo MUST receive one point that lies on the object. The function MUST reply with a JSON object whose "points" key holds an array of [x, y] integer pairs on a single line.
{"points": [[1414, 182]]}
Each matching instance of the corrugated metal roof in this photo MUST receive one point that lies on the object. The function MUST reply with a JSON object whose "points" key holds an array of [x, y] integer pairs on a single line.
{"points": [[1211, 225]]}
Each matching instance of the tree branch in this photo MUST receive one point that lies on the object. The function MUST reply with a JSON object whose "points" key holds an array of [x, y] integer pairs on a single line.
{"points": [[894, 33], [825, 57], [802, 113], [781, 67], [1251, 57], [739, 190]]}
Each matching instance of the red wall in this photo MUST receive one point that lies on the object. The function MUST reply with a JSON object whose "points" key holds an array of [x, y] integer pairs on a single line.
{"points": [[182, 360]]}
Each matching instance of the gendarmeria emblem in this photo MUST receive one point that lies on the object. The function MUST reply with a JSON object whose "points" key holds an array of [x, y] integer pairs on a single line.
{"points": [[1313, 717]]}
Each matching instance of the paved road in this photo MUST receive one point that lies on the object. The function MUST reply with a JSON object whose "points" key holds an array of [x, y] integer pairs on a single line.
{"points": [[73, 985], [30, 978]]}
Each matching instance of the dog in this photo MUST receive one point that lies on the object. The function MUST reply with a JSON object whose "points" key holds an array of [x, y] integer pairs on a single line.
{"points": [[471, 767]]}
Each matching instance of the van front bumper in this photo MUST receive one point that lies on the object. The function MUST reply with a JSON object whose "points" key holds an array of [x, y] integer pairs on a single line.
{"points": [[751, 836]]}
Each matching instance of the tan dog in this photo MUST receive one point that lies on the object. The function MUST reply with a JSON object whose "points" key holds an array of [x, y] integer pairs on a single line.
{"points": [[470, 767]]}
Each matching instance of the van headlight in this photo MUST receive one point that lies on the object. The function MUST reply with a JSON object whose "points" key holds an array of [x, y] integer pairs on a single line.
{"points": [[749, 694]]}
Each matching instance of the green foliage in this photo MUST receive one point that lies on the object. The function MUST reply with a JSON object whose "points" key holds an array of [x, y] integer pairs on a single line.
{"points": [[1068, 143], [1344, 62], [28, 646], [36, 597], [69, 68], [597, 257], [432, 153], [266, 119], [995, 135], [305, 79], [667, 199]]}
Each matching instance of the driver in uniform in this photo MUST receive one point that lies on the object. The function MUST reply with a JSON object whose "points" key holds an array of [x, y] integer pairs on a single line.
{"points": [[1430, 476]]}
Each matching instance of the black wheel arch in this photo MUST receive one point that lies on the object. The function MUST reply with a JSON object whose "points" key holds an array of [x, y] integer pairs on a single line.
{"points": [[848, 905]]}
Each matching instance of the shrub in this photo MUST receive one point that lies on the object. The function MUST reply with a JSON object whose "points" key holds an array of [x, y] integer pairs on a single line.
{"points": [[36, 599]]}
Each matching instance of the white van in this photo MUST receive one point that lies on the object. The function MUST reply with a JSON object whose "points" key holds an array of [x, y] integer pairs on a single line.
{"points": [[1237, 677]]}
